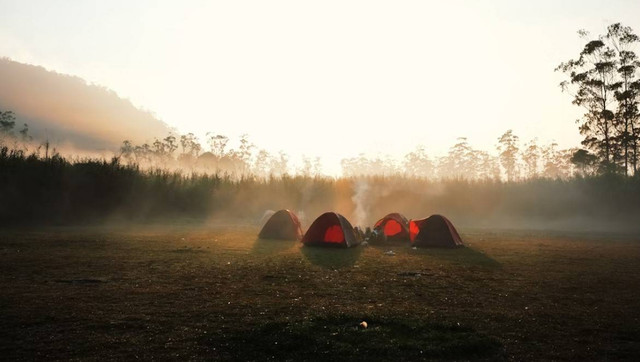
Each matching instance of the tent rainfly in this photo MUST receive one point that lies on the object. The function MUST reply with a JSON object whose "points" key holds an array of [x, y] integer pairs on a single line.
{"points": [[436, 230], [283, 225], [394, 225], [331, 229]]}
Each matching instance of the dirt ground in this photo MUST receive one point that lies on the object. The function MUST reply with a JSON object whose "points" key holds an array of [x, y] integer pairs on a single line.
{"points": [[216, 292]]}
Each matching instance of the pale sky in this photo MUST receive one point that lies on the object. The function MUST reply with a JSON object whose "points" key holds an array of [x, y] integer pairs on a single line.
{"points": [[325, 78]]}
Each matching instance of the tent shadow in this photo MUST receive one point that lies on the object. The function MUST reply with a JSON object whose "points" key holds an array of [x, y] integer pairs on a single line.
{"points": [[331, 258], [462, 255], [465, 255], [272, 246]]}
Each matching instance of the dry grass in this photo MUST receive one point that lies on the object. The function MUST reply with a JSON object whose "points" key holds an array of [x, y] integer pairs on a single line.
{"points": [[217, 292]]}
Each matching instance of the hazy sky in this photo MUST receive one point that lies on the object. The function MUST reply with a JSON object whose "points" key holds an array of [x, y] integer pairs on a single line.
{"points": [[327, 78]]}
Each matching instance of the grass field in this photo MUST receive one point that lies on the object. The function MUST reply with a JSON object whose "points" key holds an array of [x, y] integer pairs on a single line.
{"points": [[216, 292]]}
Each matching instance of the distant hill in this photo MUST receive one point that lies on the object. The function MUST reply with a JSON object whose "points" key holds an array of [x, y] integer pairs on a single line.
{"points": [[71, 112]]}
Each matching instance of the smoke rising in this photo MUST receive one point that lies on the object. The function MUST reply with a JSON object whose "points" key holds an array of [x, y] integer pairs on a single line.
{"points": [[361, 199]]}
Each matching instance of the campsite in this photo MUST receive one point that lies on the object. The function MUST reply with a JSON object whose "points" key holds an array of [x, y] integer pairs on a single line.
{"points": [[193, 292], [344, 180]]}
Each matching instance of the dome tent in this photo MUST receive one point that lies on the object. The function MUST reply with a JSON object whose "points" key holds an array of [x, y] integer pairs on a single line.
{"points": [[331, 229], [266, 215], [283, 225], [436, 230], [394, 226]]}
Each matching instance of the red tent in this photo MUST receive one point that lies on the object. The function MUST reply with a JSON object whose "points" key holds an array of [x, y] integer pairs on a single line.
{"points": [[436, 230], [414, 228], [395, 226], [283, 225], [331, 229]]}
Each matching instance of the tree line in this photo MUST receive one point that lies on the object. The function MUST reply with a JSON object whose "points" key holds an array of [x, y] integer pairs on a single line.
{"points": [[510, 161], [187, 152]]}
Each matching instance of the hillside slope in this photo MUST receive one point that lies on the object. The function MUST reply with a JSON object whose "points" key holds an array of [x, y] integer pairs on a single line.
{"points": [[71, 112]]}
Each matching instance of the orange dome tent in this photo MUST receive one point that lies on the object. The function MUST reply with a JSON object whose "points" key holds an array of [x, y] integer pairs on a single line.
{"points": [[331, 229], [283, 225], [395, 226], [436, 230]]}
